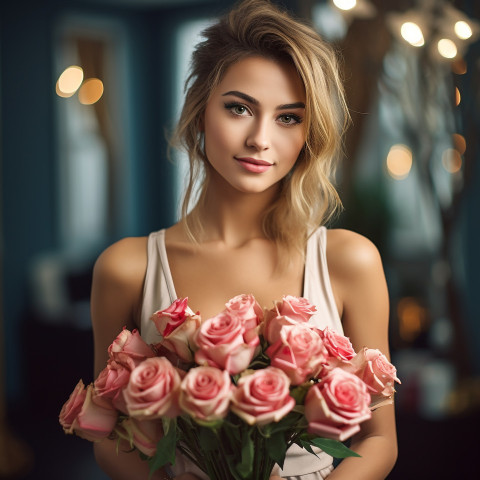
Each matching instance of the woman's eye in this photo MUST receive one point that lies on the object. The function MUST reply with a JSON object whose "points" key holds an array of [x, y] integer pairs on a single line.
{"points": [[237, 109], [290, 119]]}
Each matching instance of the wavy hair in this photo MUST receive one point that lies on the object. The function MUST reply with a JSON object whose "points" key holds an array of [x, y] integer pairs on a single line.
{"points": [[307, 197]]}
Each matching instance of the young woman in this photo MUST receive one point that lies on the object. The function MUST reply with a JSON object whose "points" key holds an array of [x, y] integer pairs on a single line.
{"points": [[262, 125]]}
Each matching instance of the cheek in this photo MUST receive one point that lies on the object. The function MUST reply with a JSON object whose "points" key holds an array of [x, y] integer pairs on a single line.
{"points": [[291, 146]]}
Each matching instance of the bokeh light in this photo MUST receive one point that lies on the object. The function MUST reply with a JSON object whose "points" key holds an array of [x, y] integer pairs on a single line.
{"points": [[463, 30], [413, 34], [399, 161], [447, 48], [91, 91], [452, 160], [69, 81], [345, 4]]}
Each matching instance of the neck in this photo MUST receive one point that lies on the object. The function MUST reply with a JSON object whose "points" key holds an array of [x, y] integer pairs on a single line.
{"points": [[233, 217]]}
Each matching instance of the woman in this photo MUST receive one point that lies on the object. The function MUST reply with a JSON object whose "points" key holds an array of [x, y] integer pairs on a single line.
{"points": [[262, 123]]}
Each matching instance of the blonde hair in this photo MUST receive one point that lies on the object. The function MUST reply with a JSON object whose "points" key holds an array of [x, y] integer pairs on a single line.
{"points": [[307, 197]]}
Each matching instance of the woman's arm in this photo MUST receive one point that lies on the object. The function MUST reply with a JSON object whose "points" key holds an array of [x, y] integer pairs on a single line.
{"points": [[117, 289], [359, 285]]}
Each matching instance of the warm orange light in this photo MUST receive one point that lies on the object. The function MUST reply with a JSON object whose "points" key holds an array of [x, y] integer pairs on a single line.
{"points": [[412, 318], [459, 66], [452, 160], [458, 97], [69, 81], [459, 143], [399, 161], [91, 91]]}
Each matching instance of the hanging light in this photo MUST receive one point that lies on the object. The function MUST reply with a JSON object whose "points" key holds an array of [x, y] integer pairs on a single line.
{"points": [[447, 48], [445, 30], [345, 4], [354, 8], [463, 30], [412, 33]]}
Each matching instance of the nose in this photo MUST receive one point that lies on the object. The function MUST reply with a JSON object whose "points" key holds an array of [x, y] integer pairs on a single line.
{"points": [[259, 135]]}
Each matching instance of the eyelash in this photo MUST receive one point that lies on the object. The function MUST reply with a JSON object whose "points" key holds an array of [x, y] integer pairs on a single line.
{"points": [[232, 105]]}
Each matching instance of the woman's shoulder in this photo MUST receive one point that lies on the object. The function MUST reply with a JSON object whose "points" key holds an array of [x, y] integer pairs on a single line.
{"points": [[349, 253], [124, 262]]}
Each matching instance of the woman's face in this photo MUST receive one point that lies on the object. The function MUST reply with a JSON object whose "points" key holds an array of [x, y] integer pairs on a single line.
{"points": [[253, 124]]}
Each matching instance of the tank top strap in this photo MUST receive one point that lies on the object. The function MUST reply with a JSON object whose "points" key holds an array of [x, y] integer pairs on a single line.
{"points": [[317, 286], [158, 289]]}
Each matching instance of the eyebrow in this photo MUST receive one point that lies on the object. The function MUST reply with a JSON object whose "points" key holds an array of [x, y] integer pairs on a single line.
{"points": [[254, 101]]}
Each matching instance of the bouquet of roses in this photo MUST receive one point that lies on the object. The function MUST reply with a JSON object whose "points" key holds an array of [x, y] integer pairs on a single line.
{"points": [[232, 392]]}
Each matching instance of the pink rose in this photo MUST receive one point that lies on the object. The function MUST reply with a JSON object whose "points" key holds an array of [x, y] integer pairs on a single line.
{"points": [[273, 325], [262, 397], [296, 308], [222, 343], [129, 349], [97, 418], [172, 317], [335, 406], [248, 309], [72, 407], [110, 384], [152, 391], [177, 324], [205, 393], [373, 367], [299, 352], [339, 347], [142, 434]]}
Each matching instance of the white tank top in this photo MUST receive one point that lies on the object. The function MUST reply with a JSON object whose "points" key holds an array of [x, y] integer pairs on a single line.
{"points": [[159, 293]]}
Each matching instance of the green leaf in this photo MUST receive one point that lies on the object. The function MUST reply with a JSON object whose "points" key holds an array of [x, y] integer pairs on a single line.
{"points": [[245, 467], [165, 449], [166, 424], [334, 448], [307, 446], [277, 448]]}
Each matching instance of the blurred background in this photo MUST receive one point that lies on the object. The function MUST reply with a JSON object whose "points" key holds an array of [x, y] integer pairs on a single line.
{"points": [[90, 90]]}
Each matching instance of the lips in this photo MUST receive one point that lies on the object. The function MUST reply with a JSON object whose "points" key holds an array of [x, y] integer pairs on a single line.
{"points": [[254, 165]]}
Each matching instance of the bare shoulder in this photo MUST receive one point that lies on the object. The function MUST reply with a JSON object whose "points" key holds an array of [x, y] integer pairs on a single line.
{"points": [[117, 288], [118, 278], [351, 254], [360, 289], [124, 262]]}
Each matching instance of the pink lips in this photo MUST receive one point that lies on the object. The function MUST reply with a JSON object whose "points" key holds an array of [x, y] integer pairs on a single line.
{"points": [[253, 165]]}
